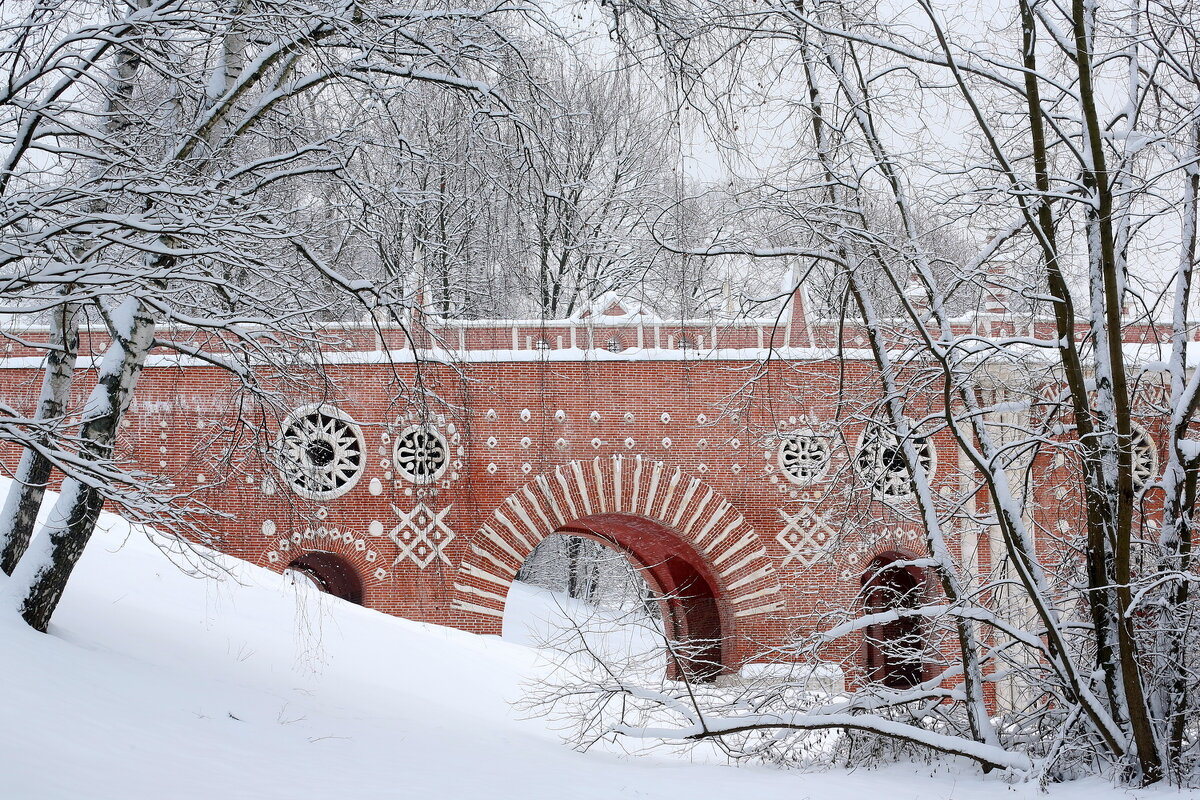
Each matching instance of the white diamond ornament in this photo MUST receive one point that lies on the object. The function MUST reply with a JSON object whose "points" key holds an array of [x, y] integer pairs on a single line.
{"points": [[421, 535]]}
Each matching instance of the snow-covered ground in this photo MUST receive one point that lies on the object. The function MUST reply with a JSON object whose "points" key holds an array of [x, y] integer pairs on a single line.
{"points": [[157, 685], [537, 617]]}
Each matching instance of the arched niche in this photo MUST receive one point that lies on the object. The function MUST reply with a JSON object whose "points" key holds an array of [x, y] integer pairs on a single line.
{"points": [[331, 573]]}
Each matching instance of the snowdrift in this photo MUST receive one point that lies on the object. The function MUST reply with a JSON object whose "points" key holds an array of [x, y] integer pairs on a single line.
{"points": [[158, 684]]}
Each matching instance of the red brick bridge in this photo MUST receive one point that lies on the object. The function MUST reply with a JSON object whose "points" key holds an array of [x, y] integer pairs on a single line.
{"points": [[731, 460]]}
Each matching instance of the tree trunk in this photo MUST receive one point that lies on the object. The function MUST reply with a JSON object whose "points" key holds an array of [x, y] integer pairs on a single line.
{"points": [[574, 579], [44, 571], [33, 473], [1114, 406]]}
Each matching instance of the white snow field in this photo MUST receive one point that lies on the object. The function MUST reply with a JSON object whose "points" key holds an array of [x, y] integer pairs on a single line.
{"points": [[153, 685]]}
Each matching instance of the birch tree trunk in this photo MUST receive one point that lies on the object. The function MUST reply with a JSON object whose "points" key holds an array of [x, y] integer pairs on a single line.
{"points": [[41, 576], [33, 472]]}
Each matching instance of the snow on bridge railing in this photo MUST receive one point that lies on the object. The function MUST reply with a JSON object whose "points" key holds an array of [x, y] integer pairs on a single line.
{"points": [[621, 337], [589, 334], [442, 338]]}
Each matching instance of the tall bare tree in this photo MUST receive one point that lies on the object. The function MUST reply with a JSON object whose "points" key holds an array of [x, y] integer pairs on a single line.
{"points": [[1044, 345]]}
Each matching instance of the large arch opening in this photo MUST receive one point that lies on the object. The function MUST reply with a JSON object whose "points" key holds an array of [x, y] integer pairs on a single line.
{"points": [[895, 650], [640, 571], [328, 572]]}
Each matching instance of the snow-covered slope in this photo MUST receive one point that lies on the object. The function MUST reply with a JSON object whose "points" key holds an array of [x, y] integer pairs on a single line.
{"points": [[154, 684]]}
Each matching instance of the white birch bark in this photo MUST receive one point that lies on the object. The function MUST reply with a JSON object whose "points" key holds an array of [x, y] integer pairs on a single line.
{"points": [[24, 499]]}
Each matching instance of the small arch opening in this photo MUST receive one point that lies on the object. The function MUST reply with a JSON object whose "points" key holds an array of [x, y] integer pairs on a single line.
{"points": [[330, 573], [895, 649]]}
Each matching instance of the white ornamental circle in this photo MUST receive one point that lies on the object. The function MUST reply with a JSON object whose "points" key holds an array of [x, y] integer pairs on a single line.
{"points": [[804, 457], [879, 460], [421, 454], [321, 452]]}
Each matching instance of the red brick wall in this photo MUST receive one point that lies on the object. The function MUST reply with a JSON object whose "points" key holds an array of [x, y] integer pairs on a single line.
{"points": [[695, 442]]}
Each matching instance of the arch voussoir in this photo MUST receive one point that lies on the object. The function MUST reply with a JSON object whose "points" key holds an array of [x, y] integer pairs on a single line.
{"points": [[703, 520]]}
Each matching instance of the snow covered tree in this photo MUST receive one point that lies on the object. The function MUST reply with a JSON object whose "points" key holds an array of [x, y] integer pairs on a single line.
{"points": [[159, 168], [599, 176], [533, 219], [1061, 149]]}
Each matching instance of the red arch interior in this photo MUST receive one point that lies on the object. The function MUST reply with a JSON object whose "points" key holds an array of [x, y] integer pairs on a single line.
{"points": [[893, 649], [332, 573], [690, 604]]}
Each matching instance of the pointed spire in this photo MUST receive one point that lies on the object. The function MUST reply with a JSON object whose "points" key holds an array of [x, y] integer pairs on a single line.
{"points": [[799, 334]]}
